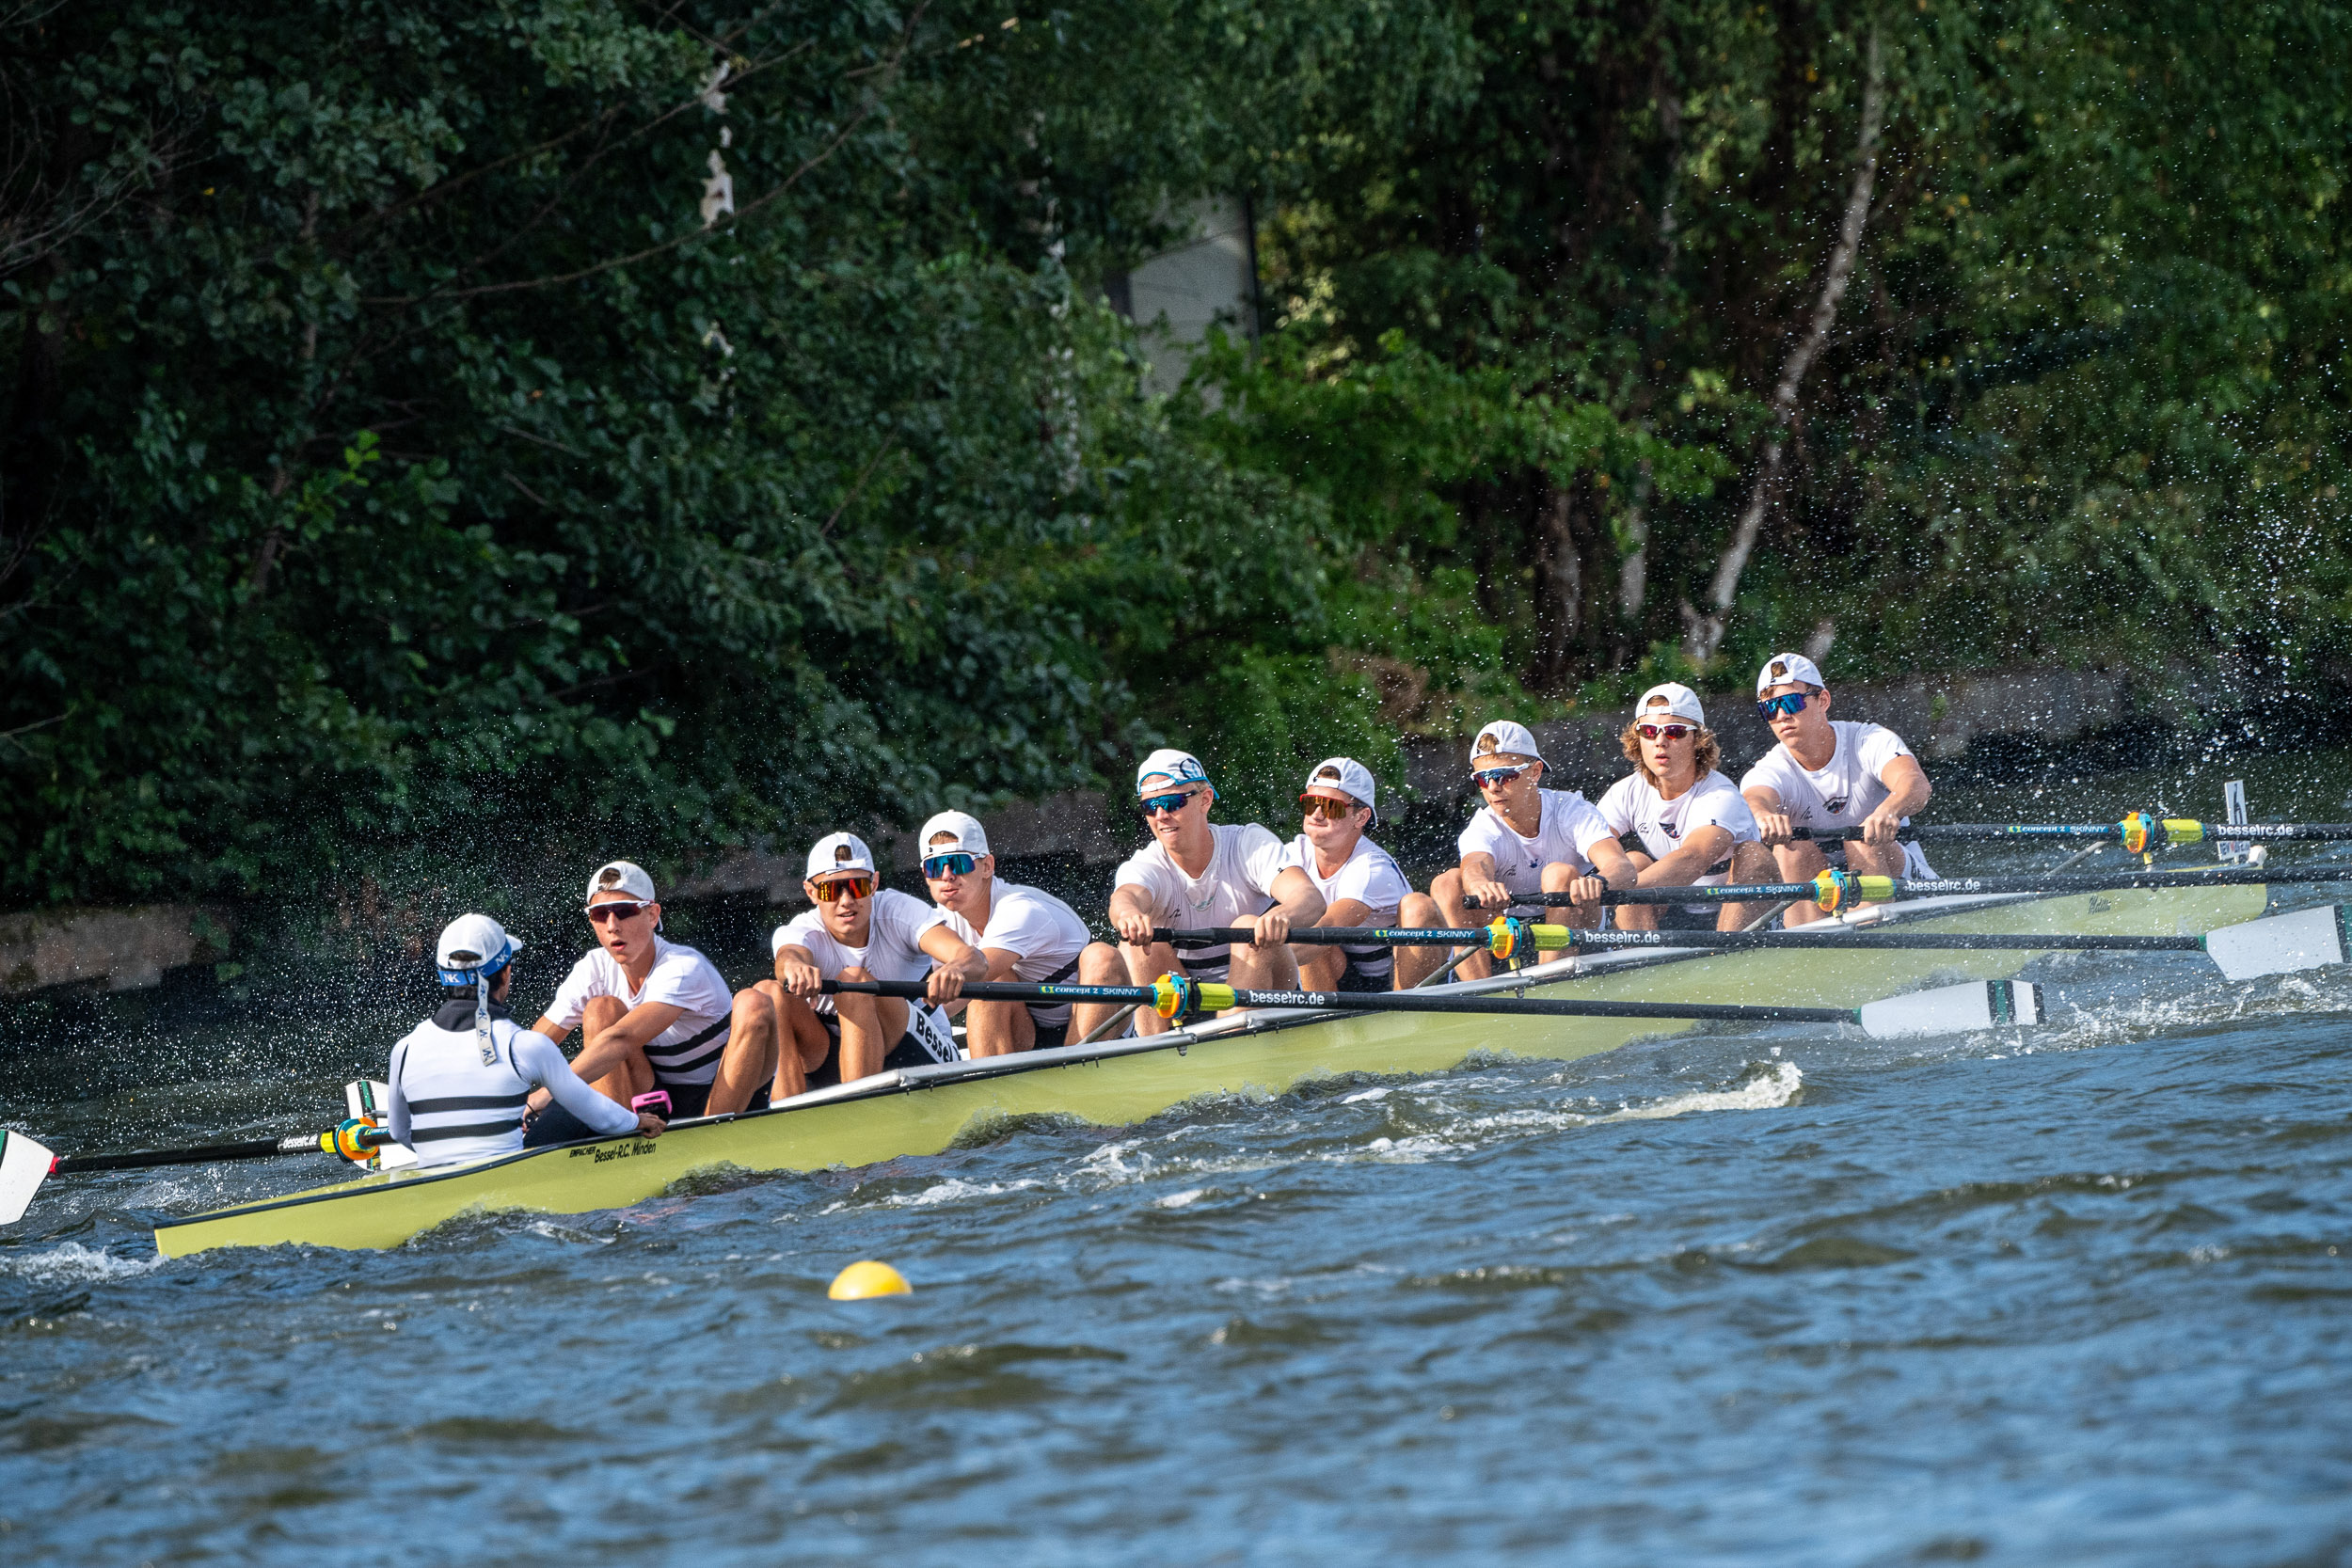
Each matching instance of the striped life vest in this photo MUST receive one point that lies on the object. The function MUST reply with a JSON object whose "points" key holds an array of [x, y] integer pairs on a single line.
{"points": [[458, 1106]]}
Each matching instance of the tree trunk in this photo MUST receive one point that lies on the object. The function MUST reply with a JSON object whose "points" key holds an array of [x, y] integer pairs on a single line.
{"points": [[1703, 633], [1563, 626]]}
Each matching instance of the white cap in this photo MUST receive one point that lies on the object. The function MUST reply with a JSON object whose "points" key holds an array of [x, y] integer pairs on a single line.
{"points": [[1788, 669], [1504, 736], [1674, 698], [969, 836], [1173, 766], [1347, 776], [620, 876], [839, 853], [475, 943]]}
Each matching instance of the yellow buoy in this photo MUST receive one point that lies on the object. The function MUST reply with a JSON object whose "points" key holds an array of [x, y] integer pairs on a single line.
{"points": [[864, 1280]]}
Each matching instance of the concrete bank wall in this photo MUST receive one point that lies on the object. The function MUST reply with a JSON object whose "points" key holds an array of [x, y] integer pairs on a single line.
{"points": [[119, 949]]}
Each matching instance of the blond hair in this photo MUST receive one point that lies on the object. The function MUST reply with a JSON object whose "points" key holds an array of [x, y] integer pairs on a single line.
{"points": [[1708, 752]]}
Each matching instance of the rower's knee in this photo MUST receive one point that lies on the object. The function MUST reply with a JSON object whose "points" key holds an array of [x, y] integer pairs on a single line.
{"points": [[600, 1014], [1420, 910], [1558, 875], [1099, 964]]}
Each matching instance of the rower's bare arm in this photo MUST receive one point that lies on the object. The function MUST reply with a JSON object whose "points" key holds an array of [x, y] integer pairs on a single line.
{"points": [[954, 962], [548, 1028], [1694, 860], [1907, 789], [1482, 881], [1347, 912], [796, 971], [637, 1028], [1001, 963], [1131, 914], [1613, 868], [1771, 814], [1296, 903]]}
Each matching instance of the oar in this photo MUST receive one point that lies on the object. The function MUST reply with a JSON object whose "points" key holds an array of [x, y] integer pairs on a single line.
{"points": [[1947, 1009], [2275, 944], [2135, 831], [1834, 890], [25, 1164]]}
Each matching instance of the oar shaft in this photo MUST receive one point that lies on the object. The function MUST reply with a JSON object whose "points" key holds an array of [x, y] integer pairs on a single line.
{"points": [[2172, 829], [202, 1154], [1371, 1002], [1897, 887], [1552, 938]]}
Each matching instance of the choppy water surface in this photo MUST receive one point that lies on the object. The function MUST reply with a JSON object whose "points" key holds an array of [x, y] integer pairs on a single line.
{"points": [[1766, 1296]]}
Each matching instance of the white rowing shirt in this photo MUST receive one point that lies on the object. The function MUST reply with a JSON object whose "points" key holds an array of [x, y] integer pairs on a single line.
{"points": [[1633, 805], [1043, 934], [895, 924], [448, 1104], [1369, 875], [1564, 836], [688, 1049], [1843, 793], [1238, 885]]}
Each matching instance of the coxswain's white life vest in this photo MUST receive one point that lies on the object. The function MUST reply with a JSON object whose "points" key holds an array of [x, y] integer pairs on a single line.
{"points": [[459, 1107]]}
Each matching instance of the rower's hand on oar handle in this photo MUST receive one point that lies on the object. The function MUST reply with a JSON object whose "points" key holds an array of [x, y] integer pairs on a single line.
{"points": [[1773, 827], [1271, 929], [1880, 827], [1133, 925], [1489, 894], [800, 977], [1587, 892], [942, 985]]}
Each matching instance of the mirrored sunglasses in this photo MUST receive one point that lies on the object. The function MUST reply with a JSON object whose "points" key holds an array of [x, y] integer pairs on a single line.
{"points": [[1328, 809], [615, 909], [1155, 804], [1790, 703], [1487, 777], [1672, 732], [954, 863], [851, 888]]}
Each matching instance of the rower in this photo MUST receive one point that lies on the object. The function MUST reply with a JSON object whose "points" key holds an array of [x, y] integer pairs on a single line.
{"points": [[1695, 828], [1359, 881], [654, 1014], [857, 929], [1524, 839], [1026, 935], [1829, 775], [460, 1080], [1196, 873]]}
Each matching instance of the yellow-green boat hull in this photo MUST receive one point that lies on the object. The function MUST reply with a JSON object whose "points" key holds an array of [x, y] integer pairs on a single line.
{"points": [[927, 1112]]}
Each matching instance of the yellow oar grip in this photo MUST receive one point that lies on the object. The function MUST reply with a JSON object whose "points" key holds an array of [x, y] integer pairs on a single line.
{"points": [[1179, 996], [1835, 889], [2179, 830]]}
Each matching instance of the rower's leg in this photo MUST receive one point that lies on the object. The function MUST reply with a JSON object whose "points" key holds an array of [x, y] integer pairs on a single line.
{"points": [[1416, 964], [1637, 917], [750, 1058], [997, 1028], [1750, 864], [1144, 965], [1265, 968], [1099, 964], [1557, 875], [870, 1025], [1801, 862], [1447, 893], [802, 1033], [634, 1075], [1318, 968]]}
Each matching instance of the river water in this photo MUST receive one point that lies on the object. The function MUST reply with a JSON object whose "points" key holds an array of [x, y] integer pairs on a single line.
{"points": [[1767, 1296]]}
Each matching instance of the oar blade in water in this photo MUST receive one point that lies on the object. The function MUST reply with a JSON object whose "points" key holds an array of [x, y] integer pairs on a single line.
{"points": [[24, 1167], [1954, 1009], [2282, 944]]}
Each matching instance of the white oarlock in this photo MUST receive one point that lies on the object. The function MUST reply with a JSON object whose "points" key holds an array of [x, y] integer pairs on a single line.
{"points": [[24, 1167], [1955, 1009], [2282, 944]]}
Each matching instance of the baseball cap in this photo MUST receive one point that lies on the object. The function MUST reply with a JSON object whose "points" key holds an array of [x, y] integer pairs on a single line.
{"points": [[620, 876], [1671, 697], [839, 853], [1788, 669], [475, 945], [1347, 776], [1173, 766], [969, 836], [1506, 736]]}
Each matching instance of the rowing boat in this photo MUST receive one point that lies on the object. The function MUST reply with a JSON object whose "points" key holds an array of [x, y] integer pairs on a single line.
{"points": [[927, 1110]]}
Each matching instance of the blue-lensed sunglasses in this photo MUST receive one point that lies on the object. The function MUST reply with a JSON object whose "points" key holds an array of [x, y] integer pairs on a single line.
{"points": [[1789, 703], [1497, 776], [955, 862], [1151, 805]]}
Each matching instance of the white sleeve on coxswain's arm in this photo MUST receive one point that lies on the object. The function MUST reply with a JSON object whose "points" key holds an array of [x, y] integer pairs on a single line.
{"points": [[396, 1119], [539, 1062]]}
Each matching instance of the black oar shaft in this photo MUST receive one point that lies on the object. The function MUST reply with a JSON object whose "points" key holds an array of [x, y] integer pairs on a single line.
{"points": [[1373, 1002], [1390, 936], [2104, 882], [254, 1148]]}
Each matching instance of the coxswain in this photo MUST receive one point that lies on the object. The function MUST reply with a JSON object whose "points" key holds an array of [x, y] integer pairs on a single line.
{"points": [[1695, 829], [655, 1014], [1359, 881], [1828, 775], [1524, 839], [462, 1079], [1025, 934], [857, 929], [1196, 873]]}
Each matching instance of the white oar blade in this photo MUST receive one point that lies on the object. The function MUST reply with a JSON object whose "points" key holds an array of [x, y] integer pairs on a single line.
{"points": [[24, 1167], [2282, 944], [1954, 1009]]}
